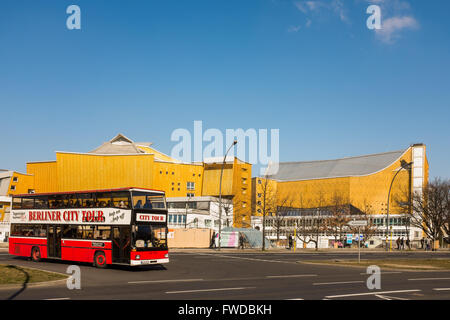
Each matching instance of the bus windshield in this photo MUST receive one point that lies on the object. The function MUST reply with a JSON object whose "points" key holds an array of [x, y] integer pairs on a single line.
{"points": [[148, 200], [150, 236]]}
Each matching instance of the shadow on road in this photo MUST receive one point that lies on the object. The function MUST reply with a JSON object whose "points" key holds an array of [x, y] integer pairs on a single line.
{"points": [[24, 284]]}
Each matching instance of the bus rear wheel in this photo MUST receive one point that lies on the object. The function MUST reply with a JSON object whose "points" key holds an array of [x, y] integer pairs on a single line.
{"points": [[35, 254], [100, 260]]}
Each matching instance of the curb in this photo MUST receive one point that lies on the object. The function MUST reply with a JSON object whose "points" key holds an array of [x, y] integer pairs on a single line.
{"points": [[36, 284]]}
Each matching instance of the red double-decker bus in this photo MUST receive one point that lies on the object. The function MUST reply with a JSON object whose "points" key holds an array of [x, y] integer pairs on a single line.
{"points": [[103, 227]]}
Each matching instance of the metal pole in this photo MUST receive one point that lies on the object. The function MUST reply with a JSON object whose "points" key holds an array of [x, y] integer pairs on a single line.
{"points": [[220, 193], [387, 210], [359, 246], [406, 166]]}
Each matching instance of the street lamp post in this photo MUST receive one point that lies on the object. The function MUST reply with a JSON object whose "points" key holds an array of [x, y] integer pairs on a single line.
{"points": [[403, 165], [220, 192]]}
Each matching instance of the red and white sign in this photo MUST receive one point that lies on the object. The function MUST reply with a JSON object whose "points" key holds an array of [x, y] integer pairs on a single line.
{"points": [[73, 216], [145, 217]]}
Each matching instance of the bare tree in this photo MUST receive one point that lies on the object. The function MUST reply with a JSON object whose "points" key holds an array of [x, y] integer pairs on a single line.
{"points": [[284, 204], [337, 222], [365, 213], [268, 204], [311, 223], [430, 209]]}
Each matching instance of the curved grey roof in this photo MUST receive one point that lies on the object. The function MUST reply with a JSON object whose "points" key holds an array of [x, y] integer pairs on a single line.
{"points": [[345, 167]]}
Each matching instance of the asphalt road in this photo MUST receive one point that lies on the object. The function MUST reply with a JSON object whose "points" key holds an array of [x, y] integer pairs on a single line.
{"points": [[207, 275]]}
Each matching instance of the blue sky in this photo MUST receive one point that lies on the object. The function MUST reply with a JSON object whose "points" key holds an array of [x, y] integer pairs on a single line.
{"points": [[311, 69]]}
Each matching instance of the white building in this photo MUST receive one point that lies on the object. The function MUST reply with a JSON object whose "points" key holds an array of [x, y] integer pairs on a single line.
{"points": [[198, 212], [5, 206]]}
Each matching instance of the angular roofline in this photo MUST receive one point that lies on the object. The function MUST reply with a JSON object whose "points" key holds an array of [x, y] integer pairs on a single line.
{"points": [[344, 176]]}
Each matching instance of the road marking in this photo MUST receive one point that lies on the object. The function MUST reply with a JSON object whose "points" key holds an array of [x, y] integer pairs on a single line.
{"points": [[389, 272], [441, 289], [164, 281], [58, 299], [296, 299], [292, 276], [343, 282], [208, 290], [242, 258], [428, 279], [389, 298], [382, 297], [371, 293]]}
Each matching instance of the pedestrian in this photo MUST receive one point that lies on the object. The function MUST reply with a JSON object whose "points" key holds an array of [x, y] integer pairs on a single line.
{"points": [[408, 244], [427, 244], [290, 242], [402, 244], [213, 240], [398, 243], [422, 242], [241, 241]]}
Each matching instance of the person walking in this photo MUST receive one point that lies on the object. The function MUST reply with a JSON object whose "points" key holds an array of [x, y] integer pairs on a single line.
{"points": [[213, 241], [422, 242], [402, 243], [241, 241], [398, 243], [408, 244], [290, 242]]}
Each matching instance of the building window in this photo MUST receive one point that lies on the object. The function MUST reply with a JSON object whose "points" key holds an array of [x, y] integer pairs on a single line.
{"points": [[191, 185], [173, 172], [31, 191], [259, 203], [13, 188], [1, 206], [207, 223], [189, 195], [259, 195], [15, 179], [259, 181]]}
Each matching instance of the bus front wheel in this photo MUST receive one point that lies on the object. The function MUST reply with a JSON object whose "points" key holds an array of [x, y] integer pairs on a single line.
{"points": [[100, 260], [35, 254]]}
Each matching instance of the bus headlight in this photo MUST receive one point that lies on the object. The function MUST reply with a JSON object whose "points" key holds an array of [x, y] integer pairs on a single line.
{"points": [[166, 255], [138, 257]]}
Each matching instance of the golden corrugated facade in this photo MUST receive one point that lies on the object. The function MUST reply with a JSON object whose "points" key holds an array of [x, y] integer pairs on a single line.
{"points": [[365, 191], [147, 168]]}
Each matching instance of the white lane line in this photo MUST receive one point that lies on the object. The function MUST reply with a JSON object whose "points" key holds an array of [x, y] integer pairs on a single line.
{"points": [[343, 282], [389, 297], [292, 276], [428, 279], [371, 293], [387, 272], [296, 299], [441, 289], [242, 258], [164, 281], [58, 299], [209, 290], [382, 297]]}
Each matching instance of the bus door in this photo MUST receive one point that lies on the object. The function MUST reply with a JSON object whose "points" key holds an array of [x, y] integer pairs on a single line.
{"points": [[54, 241], [121, 244]]}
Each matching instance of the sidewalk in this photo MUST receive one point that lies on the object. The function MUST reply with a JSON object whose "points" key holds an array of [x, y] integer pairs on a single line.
{"points": [[298, 251]]}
